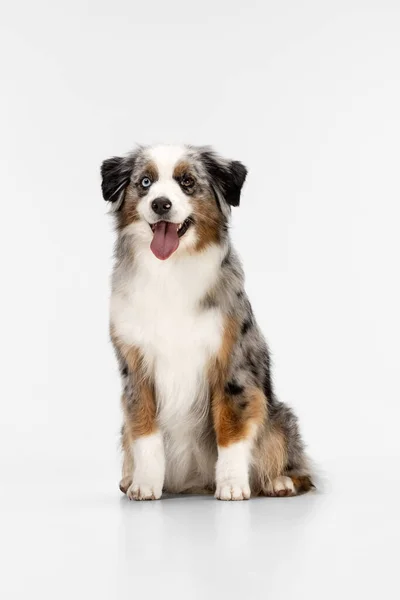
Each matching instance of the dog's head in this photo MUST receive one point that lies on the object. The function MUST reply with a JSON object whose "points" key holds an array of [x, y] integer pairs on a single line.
{"points": [[170, 197]]}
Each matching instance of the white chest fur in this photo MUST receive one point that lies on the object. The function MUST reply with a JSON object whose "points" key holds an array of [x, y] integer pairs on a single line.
{"points": [[157, 309]]}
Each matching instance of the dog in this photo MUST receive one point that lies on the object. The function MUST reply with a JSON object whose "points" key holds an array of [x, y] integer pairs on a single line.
{"points": [[199, 409]]}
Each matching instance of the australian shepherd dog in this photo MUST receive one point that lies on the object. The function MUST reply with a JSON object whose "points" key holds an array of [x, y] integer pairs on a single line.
{"points": [[199, 409]]}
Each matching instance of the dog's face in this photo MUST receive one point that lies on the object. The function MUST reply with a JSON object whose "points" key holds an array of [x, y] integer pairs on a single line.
{"points": [[173, 197]]}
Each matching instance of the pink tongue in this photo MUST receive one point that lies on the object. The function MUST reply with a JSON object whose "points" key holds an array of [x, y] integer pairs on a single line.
{"points": [[165, 240]]}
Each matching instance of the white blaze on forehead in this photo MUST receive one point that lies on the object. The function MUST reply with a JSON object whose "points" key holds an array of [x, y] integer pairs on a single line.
{"points": [[166, 158]]}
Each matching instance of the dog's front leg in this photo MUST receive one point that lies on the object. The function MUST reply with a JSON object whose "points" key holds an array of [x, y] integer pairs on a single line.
{"points": [[237, 418], [148, 467], [238, 412], [142, 439]]}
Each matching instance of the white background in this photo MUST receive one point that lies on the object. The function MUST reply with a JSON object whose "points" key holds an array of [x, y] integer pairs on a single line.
{"points": [[307, 95]]}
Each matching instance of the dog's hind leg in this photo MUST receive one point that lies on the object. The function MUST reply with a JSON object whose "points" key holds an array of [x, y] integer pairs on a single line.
{"points": [[281, 467], [127, 462]]}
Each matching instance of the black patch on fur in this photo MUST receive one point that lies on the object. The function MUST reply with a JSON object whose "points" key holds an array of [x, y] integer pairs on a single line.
{"points": [[209, 302], [233, 389], [116, 174], [124, 371], [228, 175], [247, 324], [226, 261], [253, 368], [267, 384], [239, 294], [216, 198], [251, 364]]}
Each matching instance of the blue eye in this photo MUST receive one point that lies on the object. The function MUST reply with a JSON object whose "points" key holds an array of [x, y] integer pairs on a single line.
{"points": [[146, 182]]}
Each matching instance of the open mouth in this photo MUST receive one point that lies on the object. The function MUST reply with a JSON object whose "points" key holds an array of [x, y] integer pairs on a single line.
{"points": [[166, 236]]}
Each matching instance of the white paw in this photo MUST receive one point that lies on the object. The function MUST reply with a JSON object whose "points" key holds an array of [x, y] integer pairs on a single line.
{"points": [[149, 468], [232, 472], [282, 486], [144, 491], [232, 490]]}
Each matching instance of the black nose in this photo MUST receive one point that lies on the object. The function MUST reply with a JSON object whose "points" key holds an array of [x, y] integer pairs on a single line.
{"points": [[161, 205]]}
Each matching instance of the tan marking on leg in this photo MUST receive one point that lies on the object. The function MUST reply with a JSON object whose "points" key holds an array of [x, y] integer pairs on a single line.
{"points": [[140, 415], [218, 370], [302, 483], [127, 464], [233, 423], [270, 459], [229, 338], [234, 418], [275, 452], [140, 410], [271, 476]]}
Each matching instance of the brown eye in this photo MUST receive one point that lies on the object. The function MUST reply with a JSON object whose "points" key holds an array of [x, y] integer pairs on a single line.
{"points": [[187, 181]]}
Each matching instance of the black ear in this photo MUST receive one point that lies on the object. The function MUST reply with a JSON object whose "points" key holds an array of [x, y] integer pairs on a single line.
{"points": [[116, 174], [228, 175]]}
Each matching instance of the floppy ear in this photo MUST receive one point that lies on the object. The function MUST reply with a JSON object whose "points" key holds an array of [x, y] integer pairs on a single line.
{"points": [[227, 175], [116, 174]]}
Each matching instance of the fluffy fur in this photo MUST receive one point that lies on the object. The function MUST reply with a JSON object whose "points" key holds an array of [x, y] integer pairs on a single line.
{"points": [[199, 408]]}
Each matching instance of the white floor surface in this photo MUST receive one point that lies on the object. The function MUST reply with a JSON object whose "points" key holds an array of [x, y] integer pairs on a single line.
{"points": [[66, 532]]}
